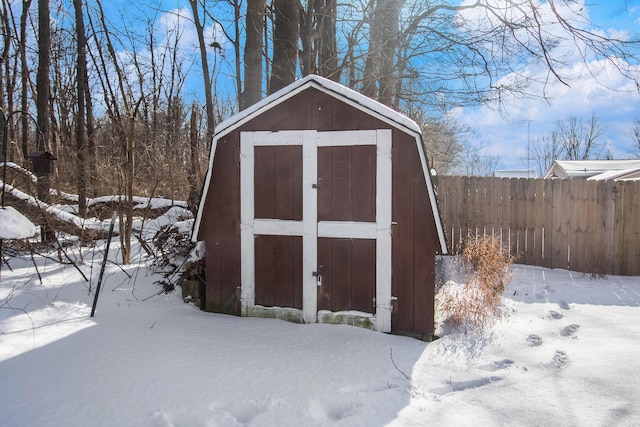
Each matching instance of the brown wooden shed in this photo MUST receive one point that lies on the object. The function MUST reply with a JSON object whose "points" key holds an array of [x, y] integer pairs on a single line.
{"points": [[318, 206]]}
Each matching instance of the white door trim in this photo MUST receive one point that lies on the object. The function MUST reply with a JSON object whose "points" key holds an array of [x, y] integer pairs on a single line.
{"points": [[309, 228]]}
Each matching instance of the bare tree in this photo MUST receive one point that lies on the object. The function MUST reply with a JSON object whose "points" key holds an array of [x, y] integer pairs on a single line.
{"points": [[24, 75], [253, 53], [204, 63], [42, 87], [476, 164], [118, 98], [82, 89], [579, 139], [634, 135], [285, 44], [572, 139], [318, 38], [545, 151], [5, 49], [445, 144]]}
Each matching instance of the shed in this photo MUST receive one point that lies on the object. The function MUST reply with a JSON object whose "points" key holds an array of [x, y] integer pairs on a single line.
{"points": [[318, 206]]}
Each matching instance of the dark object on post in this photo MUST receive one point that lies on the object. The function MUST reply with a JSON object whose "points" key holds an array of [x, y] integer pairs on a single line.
{"points": [[42, 162]]}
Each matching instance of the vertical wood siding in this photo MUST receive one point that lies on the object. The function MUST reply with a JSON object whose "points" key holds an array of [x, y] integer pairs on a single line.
{"points": [[414, 236]]}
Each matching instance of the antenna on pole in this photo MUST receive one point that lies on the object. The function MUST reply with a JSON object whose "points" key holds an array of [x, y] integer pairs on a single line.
{"points": [[528, 142]]}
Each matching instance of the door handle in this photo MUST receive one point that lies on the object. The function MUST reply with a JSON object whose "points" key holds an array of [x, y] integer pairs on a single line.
{"points": [[318, 275]]}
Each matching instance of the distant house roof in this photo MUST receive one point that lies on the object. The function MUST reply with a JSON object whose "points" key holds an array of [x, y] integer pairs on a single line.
{"points": [[515, 173], [618, 175], [606, 169]]}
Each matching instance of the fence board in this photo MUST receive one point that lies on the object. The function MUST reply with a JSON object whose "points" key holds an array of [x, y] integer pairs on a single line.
{"points": [[634, 249], [577, 224], [538, 222], [548, 223]]}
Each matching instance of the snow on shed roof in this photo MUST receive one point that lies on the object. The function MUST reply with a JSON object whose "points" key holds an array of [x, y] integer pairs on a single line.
{"points": [[356, 99]]}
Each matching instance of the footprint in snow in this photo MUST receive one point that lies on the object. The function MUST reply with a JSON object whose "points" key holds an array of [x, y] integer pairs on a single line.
{"points": [[497, 365], [560, 359], [243, 412], [564, 305], [555, 315], [326, 410], [568, 331], [534, 340]]}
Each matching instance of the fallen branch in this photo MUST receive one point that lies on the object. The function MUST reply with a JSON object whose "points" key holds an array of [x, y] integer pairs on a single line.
{"points": [[394, 363]]}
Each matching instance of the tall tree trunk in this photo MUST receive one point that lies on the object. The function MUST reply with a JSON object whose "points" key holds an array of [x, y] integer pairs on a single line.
{"points": [[236, 47], [5, 29], [285, 44], [391, 17], [91, 153], [372, 63], [208, 88], [307, 33], [24, 76], [253, 53], [42, 88], [82, 84], [326, 11], [194, 169]]}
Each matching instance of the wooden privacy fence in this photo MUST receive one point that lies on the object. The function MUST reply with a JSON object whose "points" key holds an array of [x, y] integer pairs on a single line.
{"points": [[587, 226]]}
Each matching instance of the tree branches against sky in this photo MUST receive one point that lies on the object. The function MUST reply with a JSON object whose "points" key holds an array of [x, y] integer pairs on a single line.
{"points": [[590, 85]]}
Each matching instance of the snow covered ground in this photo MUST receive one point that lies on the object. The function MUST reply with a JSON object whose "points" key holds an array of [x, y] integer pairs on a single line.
{"points": [[568, 353]]}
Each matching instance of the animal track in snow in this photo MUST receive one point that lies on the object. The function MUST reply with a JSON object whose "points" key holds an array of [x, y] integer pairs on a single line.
{"points": [[560, 359], [456, 386], [564, 305], [568, 331], [534, 340], [555, 315]]}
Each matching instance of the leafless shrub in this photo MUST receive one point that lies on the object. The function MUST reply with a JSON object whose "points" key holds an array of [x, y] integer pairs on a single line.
{"points": [[482, 267], [600, 263]]}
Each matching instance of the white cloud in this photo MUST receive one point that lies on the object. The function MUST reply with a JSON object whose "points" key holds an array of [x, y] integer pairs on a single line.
{"points": [[595, 86], [614, 101]]}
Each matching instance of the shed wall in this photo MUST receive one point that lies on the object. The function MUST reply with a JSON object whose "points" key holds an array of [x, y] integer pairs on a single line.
{"points": [[414, 239]]}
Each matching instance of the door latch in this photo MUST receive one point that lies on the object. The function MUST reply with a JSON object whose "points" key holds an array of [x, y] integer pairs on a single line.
{"points": [[318, 275]]}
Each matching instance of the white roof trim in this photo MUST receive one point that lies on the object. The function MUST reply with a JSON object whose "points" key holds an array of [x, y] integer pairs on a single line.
{"points": [[328, 86], [345, 94]]}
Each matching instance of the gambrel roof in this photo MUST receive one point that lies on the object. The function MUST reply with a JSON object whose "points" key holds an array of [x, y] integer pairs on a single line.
{"points": [[344, 94]]}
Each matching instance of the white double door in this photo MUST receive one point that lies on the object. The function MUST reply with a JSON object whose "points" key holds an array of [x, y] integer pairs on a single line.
{"points": [[306, 224]]}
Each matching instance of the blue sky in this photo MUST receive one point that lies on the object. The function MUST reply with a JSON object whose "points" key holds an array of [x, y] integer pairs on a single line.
{"points": [[616, 106]]}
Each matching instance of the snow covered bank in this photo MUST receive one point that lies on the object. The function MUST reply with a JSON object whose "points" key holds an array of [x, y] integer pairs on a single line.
{"points": [[566, 354]]}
